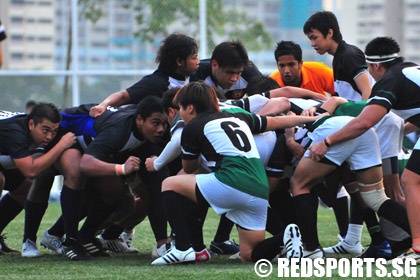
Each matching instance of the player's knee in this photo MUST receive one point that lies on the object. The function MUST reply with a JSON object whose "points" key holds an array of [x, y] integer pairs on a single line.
{"points": [[374, 198]]}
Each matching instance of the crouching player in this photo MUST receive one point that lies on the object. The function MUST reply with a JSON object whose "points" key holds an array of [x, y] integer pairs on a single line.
{"points": [[238, 186]]}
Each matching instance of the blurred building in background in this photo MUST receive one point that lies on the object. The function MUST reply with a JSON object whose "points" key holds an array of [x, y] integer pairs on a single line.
{"points": [[38, 40]]}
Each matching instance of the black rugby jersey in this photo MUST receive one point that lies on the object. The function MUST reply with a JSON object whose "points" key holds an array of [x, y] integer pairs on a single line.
{"points": [[399, 90], [227, 144], [15, 139], [238, 90], [155, 84], [348, 62], [112, 132]]}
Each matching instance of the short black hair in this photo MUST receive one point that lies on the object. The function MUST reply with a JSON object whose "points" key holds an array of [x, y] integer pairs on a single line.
{"points": [[168, 99], [148, 106], [260, 84], [288, 48], [46, 111], [323, 21], [381, 46], [230, 54]]}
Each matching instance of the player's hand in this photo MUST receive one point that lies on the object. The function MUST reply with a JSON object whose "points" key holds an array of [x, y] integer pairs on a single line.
{"points": [[295, 148], [318, 150], [310, 112], [67, 140], [149, 163], [97, 110], [132, 164]]}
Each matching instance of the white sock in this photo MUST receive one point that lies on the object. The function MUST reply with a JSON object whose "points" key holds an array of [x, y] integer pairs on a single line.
{"points": [[354, 234]]}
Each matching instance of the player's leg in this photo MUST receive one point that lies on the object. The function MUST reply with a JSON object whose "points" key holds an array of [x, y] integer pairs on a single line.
{"points": [[411, 184]]}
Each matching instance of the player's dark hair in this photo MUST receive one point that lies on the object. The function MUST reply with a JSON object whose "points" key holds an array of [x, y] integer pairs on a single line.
{"points": [[323, 21], [46, 111], [230, 54], [382, 46], [199, 94], [288, 48], [260, 84], [175, 46], [148, 106], [168, 99]]}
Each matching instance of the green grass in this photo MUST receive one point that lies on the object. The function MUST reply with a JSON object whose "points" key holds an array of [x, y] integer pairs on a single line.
{"points": [[137, 266]]}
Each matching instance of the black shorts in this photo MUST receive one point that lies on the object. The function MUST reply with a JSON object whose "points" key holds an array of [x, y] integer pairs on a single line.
{"points": [[13, 178]]}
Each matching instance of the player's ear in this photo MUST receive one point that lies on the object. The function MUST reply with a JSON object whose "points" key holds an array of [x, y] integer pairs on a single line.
{"points": [[330, 33], [139, 120], [190, 108], [31, 124]]}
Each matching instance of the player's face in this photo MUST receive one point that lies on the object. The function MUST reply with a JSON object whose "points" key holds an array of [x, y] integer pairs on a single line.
{"points": [[43, 133], [186, 113], [290, 70], [153, 127], [190, 65], [226, 77], [320, 43]]}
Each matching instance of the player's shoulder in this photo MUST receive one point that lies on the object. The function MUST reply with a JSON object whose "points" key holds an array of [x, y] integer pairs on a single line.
{"points": [[315, 66]]}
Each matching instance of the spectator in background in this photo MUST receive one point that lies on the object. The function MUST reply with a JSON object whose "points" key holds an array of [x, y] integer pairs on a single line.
{"points": [[2, 37], [293, 71]]}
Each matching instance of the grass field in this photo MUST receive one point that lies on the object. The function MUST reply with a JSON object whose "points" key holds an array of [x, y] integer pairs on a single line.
{"points": [[137, 266]]}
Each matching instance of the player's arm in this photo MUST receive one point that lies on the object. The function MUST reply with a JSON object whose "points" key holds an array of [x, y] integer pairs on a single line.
{"points": [[409, 128], [116, 99], [92, 166], [297, 93], [363, 84], [171, 151], [31, 166], [291, 120], [190, 165], [329, 106], [370, 115]]}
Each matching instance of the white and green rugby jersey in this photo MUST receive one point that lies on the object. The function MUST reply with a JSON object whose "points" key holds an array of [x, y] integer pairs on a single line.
{"points": [[227, 144]]}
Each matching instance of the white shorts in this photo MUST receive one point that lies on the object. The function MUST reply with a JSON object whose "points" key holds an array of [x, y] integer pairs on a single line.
{"points": [[360, 153], [265, 144], [245, 210], [390, 135]]}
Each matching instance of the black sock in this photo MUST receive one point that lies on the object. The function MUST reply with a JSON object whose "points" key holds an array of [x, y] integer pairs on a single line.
{"points": [[9, 209], [341, 211], [372, 224], [268, 248], [274, 224], [155, 212], [97, 214], [395, 213], [176, 212], [306, 206], [198, 215], [223, 230], [281, 204], [34, 211], [399, 247], [356, 206], [112, 232], [58, 228], [71, 208]]}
